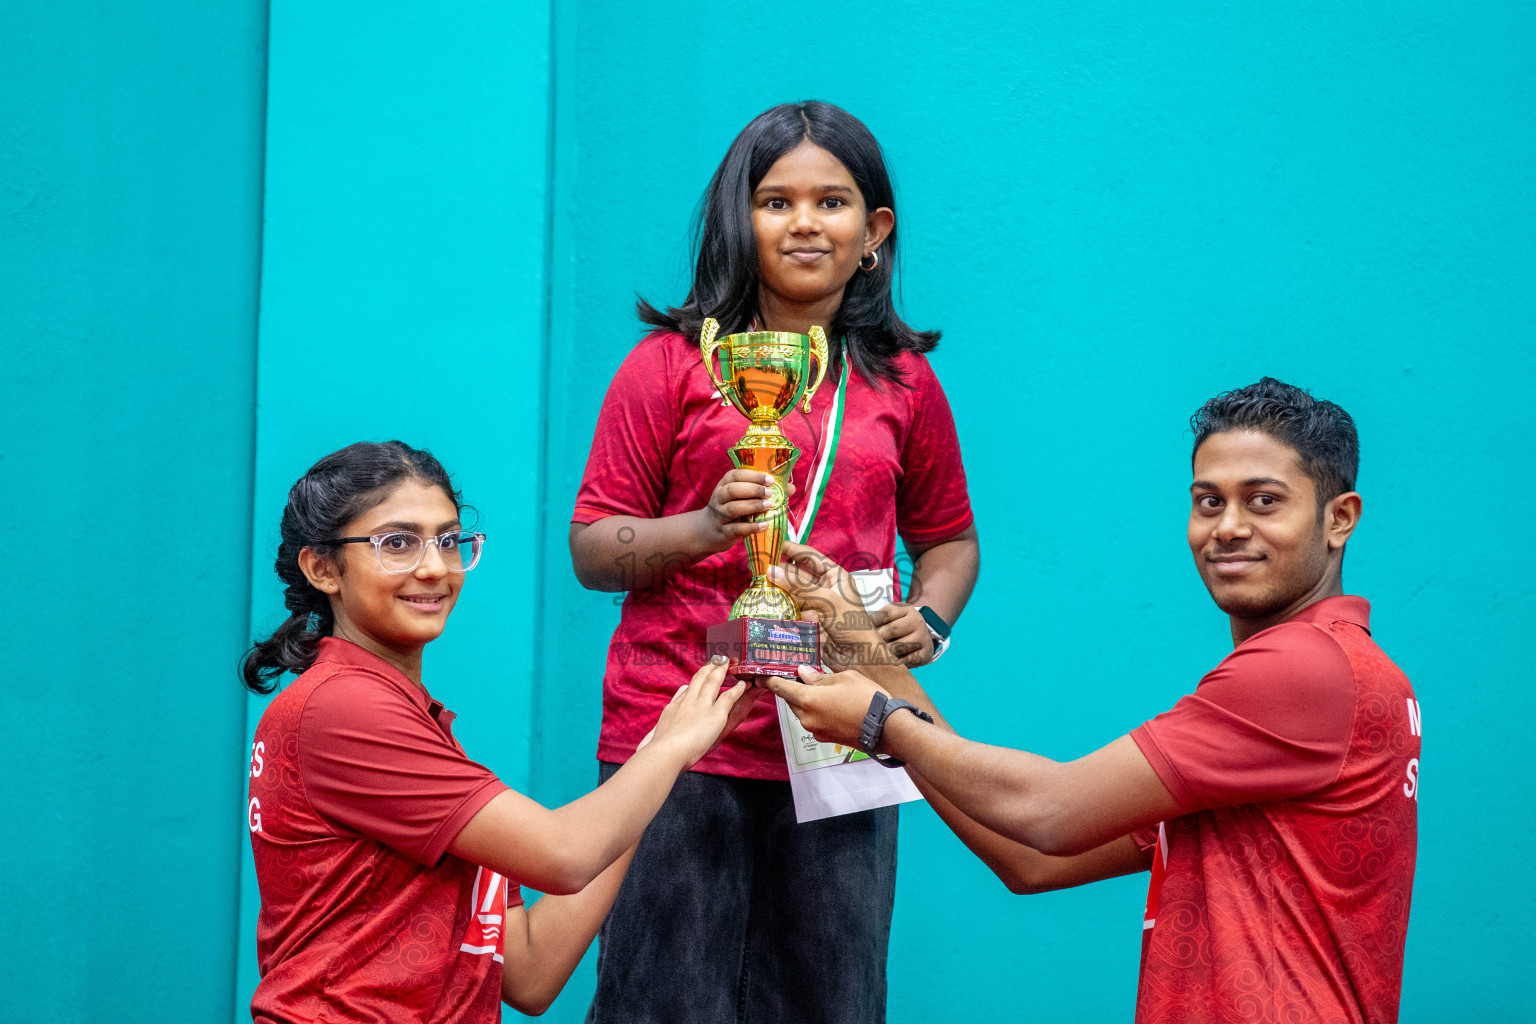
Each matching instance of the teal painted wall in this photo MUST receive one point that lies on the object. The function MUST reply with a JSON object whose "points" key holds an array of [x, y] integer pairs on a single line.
{"points": [[1112, 213], [130, 211], [1115, 211], [402, 297]]}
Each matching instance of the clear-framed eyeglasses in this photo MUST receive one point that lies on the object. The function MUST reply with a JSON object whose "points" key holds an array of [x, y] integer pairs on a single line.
{"points": [[401, 551]]}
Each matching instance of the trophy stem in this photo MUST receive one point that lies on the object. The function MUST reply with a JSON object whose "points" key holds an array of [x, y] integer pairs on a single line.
{"points": [[763, 600], [763, 549]]}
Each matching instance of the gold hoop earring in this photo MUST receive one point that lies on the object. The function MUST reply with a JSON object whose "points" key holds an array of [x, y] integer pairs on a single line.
{"points": [[874, 261]]}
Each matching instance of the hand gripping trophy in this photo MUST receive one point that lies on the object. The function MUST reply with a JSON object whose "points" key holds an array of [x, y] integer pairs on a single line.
{"points": [[763, 374]]}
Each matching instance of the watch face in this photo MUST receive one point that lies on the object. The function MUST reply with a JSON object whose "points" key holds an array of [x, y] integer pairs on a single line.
{"points": [[935, 623]]}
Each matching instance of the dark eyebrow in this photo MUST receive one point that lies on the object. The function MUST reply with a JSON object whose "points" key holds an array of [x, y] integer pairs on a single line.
{"points": [[785, 188], [1253, 481], [397, 524]]}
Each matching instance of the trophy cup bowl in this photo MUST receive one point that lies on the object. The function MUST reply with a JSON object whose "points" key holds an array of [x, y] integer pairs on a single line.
{"points": [[763, 374]]}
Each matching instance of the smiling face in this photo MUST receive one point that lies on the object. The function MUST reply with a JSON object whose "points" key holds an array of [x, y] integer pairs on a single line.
{"points": [[1263, 547], [391, 614], [812, 229]]}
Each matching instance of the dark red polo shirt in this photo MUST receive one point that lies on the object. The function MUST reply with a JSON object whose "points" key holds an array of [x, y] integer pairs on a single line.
{"points": [[1281, 892], [357, 789]]}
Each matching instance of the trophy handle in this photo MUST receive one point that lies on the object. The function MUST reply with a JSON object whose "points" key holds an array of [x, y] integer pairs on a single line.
{"points": [[819, 352], [707, 346]]}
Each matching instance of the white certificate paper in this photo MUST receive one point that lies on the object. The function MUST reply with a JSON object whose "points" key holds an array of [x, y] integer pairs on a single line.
{"points": [[828, 779]]}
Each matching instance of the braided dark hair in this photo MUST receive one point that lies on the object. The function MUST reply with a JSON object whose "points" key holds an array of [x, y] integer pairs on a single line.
{"points": [[335, 491]]}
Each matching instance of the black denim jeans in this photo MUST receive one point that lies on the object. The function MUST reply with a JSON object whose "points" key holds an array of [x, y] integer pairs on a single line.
{"points": [[734, 914]]}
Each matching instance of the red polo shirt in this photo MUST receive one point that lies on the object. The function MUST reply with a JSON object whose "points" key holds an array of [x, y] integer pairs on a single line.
{"points": [[357, 789], [660, 447], [1281, 891]]}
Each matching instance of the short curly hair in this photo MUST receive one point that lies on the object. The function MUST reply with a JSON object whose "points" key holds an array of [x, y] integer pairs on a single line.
{"points": [[1321, 432]]}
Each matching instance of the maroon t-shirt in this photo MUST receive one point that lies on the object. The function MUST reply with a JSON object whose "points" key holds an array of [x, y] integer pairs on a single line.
{"points": [[1281, 891], [660, 447], [357, 789]]}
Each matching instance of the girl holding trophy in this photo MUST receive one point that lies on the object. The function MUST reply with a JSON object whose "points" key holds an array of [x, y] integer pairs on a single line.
{"points": [[382, 851], [732, 910]]}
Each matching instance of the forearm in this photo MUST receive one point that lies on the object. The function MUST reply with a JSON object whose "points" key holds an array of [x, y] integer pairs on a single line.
{"points": [[555, 934], [991, 801], [944, 575], [562, 850], [592, 832], [1010, 792], [1025, 870], [628, 553], [1021, 868], [1059, 808]]}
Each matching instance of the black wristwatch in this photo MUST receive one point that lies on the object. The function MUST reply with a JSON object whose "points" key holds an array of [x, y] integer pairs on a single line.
{"points": [[938, 629], [881, 708]]}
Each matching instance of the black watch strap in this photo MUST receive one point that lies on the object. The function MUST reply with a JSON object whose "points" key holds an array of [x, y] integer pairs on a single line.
{"points": [[881, 707]]}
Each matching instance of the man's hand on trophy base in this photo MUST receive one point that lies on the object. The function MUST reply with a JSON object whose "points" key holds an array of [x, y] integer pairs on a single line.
{"points": [[824, 591], [827, 594], [830, 706], [902, 627], [740, 494]]}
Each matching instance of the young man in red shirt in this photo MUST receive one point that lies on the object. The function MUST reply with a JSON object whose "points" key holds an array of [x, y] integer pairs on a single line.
{"points": [[1276, 805]]}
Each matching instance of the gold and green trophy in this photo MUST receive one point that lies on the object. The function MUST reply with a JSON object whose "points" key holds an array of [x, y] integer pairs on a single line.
{"points": [[763, 374]]}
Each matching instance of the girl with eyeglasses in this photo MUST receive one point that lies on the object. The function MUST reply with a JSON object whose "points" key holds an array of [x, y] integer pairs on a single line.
{"points": [[388, 861], [766, 919]]}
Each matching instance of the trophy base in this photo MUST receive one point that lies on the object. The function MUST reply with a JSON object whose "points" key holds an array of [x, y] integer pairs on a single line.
{"points": [[765, 647]]}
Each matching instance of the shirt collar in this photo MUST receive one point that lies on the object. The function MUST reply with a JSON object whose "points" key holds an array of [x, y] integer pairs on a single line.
{"points": [[1344, 608], [336, 651]]}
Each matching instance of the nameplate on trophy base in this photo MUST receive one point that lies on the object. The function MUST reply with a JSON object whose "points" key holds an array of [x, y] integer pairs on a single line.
{"points": [[765, 647]]}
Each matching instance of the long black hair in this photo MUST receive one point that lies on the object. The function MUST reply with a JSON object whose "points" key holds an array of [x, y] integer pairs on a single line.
{"points": [[335, 491], [725, 278]]}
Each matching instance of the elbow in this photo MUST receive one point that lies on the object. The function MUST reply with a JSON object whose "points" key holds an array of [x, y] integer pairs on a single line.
{"points": [[530, 1001], [1019, 874], [587, 574], [1017, 885], [593, 576], [557, 876], [586, 577], [576, 870], [528, 1005], [1021, 883], [564, 880]]}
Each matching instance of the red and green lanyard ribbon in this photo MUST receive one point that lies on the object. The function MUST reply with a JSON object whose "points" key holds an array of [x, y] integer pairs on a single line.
{"points": [[821, 473]]}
